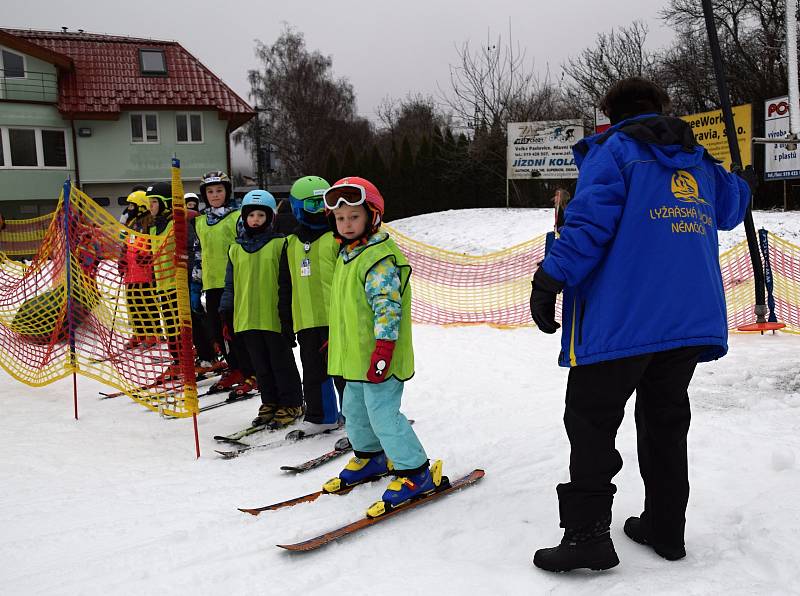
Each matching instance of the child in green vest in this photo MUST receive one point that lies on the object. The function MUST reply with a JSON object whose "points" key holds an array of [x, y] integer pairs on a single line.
{"points": [[163, 253], [251, 296], [303, 299], [215, 232], [370, 347]]}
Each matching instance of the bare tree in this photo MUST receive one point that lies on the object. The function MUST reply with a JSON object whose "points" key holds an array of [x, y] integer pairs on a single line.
{"points": [[485, 84], [752, 39], [615, 55], [304, 106]]}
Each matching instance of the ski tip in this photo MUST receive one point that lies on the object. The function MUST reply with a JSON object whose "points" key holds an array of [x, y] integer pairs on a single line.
{"points": [[250, 511], [293, 548]]}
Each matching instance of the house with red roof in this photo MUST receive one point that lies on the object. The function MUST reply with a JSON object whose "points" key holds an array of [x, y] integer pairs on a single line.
{"points": [[107, 111]]}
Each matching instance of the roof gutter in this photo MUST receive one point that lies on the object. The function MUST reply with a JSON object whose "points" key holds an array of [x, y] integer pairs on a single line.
{"points": [[75, 151]]}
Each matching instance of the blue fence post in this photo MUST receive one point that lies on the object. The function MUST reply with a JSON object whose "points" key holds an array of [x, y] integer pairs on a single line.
{"points": [[763, 240], [68, 265]]}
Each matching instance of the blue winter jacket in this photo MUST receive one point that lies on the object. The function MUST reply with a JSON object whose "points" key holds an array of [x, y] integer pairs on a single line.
{"points": [[638, 253]]}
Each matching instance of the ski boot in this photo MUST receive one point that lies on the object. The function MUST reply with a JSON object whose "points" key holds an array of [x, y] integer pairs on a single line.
{"points": [[636, 530], [309, 429], [228, 380], [587, 547], [266, 412], [243, 388], [285, 416], [359, 470], [403, 489]]}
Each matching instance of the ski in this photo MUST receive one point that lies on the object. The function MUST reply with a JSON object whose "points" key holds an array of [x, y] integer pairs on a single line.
{"points": [[341, 447], [135, 350], [306, 498], [292, 437], [445, 488], [234, 437], [153, 385], [225, 402]]}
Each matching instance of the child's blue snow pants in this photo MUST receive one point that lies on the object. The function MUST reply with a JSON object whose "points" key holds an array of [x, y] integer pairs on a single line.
{"points": [[374, 423]]}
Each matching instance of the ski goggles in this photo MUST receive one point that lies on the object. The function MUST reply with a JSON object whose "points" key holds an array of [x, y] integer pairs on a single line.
{"points": [[316, 203], [349, 194]]}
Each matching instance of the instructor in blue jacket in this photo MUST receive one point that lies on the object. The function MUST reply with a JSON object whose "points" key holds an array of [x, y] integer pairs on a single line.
{"points": [[638, 262]]}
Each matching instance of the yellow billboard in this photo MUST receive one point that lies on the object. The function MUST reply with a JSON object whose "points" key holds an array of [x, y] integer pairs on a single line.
{"points": [[709, 130]]}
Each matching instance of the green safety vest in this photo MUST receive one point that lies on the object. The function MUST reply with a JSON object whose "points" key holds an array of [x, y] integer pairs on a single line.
{"points": [[311, 281], [214, 244], [255, 283], [352, 337], [164, 270]]}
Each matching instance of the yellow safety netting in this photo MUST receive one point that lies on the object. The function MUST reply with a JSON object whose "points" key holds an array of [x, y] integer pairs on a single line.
{"points": [[78, 308]]}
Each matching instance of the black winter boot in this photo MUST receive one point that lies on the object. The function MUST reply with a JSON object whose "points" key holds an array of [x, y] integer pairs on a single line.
{"points": [[635, 530], [586, 547]]}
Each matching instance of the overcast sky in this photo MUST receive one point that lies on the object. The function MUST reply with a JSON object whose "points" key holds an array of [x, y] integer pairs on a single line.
{"points": [[385, 48]]}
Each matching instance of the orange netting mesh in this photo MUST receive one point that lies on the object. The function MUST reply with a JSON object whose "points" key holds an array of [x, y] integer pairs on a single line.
{"points": [[457, 289], [70, 310]]}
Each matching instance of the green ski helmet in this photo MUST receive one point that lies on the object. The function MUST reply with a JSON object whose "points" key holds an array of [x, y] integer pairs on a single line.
{"points": [[306, 197]]}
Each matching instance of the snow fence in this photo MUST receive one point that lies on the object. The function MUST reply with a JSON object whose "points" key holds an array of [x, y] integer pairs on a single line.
{"points": [[70, 309], [456, 289]]}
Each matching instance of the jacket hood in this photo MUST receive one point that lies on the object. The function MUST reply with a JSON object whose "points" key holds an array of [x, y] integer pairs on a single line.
{"points": [[252, 242], [670, 139]]}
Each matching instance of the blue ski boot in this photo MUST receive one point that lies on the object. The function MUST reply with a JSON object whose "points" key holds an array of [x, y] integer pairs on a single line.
{"points": [[357, 471], [407, 488]]}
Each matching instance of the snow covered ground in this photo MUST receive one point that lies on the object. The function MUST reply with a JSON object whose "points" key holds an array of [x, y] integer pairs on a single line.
{"points": [[115, 503]]}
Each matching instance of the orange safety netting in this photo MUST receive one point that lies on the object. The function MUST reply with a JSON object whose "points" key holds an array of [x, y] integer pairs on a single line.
{"points": [[70, 310], [456, 289]]}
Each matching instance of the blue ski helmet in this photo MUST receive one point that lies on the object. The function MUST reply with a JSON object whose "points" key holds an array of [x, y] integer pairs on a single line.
{"points": [[259, 199], [306, 197]]}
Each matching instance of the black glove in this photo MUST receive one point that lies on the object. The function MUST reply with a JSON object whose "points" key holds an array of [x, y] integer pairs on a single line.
{"points": [[543, 301], [748, 174]]}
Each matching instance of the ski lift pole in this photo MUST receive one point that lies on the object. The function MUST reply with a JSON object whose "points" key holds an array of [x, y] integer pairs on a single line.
{"points": [[760, 309]]}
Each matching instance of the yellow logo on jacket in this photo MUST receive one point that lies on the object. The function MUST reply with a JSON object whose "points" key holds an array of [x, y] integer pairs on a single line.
{"points": [[685, 188]]}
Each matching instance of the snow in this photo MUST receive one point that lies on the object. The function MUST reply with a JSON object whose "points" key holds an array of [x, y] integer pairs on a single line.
{"points": [[115, 503]]}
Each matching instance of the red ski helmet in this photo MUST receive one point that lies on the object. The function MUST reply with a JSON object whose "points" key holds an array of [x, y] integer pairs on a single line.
{"points": [[368, 193]]}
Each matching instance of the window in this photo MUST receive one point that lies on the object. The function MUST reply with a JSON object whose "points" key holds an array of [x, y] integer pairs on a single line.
{"points": [[189, 127], [13, 65], [22, 142], [33, 148], [152, 62], [54, 149], [144, 128]]}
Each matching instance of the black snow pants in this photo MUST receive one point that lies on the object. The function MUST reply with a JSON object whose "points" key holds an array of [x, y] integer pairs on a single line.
{"points": [[595, 406], [322, 406], [276, 370]]}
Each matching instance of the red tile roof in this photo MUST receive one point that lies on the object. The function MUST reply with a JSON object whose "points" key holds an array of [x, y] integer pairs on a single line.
{"points": [[105, 78]]}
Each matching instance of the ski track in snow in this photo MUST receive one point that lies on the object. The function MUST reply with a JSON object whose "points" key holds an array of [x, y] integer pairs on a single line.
{"points": [[115, 503]]}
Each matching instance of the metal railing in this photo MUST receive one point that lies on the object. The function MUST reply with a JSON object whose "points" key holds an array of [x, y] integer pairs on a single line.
{"points": [[33, 86]]}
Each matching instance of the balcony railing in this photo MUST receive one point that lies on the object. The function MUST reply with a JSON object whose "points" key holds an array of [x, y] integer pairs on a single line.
{"points": [[33, 86]]}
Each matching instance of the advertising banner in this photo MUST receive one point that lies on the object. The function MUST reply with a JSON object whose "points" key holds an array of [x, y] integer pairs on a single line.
{"points": [[709, 130], [779, 162], [542, 149], [601, 121]]}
